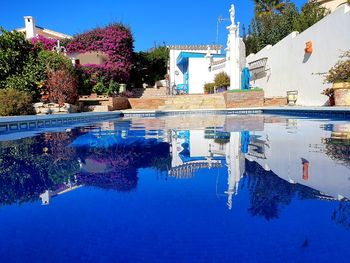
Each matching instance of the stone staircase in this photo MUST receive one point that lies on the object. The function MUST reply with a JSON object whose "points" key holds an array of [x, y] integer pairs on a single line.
{"points": [[190, 102], [154, 92], [150, 92]]}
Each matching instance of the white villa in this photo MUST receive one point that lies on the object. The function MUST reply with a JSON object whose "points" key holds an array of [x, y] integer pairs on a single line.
{"points": [[31, 30], [279, 70], [192, 66]]}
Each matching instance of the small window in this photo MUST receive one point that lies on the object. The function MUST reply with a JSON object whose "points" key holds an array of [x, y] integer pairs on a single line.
{"points": [[28, 19]]}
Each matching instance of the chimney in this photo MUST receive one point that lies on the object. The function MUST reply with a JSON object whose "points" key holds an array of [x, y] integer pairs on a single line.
{"points": [[29, 22]]}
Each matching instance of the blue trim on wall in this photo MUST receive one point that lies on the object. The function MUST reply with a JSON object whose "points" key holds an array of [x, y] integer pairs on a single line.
{"points": [[184, 56]]}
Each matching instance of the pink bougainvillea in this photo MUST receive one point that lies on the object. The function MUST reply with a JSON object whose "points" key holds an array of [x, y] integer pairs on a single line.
{"points": [[116, 42], [44, 42]]}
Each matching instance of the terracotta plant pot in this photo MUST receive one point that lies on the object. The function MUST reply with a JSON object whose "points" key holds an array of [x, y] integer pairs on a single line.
{"points": [[342, 93]]}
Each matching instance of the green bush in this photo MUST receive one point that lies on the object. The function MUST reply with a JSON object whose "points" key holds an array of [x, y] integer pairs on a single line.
{"points": [[99, 88], [113, 88], [222, 80], [15, 102], [53, 61]]}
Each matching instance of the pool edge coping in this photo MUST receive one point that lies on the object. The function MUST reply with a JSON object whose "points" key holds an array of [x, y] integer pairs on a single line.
{"points": [[121, 113]]}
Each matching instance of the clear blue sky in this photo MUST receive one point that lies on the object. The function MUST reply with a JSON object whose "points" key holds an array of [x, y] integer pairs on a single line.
{"points": [[172, 22]]}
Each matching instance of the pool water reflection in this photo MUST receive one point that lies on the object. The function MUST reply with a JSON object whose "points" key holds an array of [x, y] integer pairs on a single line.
{"points": [[204, 188]]}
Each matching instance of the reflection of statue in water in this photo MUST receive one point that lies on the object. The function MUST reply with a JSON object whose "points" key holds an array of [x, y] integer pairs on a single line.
{"points": [[232, 14]]}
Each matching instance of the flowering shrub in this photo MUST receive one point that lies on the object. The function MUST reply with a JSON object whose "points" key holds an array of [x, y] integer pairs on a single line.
{"points": [[41, 42], [341, 71], [62, 87], [116, 42]]}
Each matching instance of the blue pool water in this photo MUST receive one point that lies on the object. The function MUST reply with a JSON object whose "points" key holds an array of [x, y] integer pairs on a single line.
{"points": [[209, 188]]}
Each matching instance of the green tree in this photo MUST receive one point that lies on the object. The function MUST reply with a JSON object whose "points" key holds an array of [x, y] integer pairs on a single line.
{"points": [[14, 53], [274, 20], [310, 14], [269, 7], [24, 67], [150, 66]]}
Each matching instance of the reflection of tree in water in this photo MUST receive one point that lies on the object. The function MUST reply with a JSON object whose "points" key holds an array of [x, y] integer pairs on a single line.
{"points": [[30, 166], [116, 167], [269, 193], [338, 150], [342, 215]]}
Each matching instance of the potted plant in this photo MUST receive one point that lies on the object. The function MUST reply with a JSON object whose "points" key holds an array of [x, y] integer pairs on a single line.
{"points": [[329, 92], [222, 81], [339, 76], [209, 88], [99, 88]]}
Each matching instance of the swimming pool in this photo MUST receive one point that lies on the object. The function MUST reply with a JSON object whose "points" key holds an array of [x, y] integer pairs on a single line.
{"points": [[192, 188]]}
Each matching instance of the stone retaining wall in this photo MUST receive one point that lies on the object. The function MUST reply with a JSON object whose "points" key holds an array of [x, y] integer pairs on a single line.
{"points": [[277, 101], [244, 99], [104, 103], [147, 103]]}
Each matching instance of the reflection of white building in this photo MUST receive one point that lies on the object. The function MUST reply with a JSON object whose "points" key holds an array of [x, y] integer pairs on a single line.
{"points": [[65, 188], [299, 156], [196, 149], [190, 152]]}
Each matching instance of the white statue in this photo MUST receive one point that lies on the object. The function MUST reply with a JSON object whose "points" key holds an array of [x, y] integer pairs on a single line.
{"points": [[232, 14], [208, 55]]}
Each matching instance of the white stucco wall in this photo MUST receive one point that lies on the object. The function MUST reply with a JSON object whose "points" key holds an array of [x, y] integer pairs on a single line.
{"points": [[173, 68], [331, 4], [290, 69], [178, 79], [174, 79], [199, 74]]}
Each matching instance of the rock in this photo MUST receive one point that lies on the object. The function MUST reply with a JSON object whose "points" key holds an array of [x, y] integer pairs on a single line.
{"points": [[38, 104]]}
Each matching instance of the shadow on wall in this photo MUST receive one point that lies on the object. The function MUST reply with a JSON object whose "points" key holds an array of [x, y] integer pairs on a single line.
{"points": [[259, 75], [306, 57]]}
